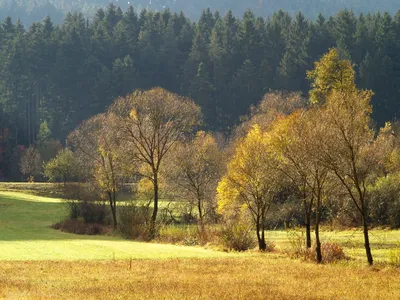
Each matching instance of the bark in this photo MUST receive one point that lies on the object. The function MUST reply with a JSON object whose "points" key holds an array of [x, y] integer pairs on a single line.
{"points": [[366, 242], [199, 208], [112, 206], [115, 208], [260, 237], [317, 240], [308, 230], [152, 232]]}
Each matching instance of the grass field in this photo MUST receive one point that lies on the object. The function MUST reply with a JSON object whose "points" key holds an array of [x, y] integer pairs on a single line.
{"points": [[260, 277], [26, 235], [38, 262]]}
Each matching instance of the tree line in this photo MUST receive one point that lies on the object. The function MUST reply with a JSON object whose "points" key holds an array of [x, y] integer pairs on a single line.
{"points": [[63, 74], [32, 11], [320, 152]]}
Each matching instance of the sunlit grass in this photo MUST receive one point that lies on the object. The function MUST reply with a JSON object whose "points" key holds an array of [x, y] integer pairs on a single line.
{"points": [[26, 235], [38, 262], [268, 276]]}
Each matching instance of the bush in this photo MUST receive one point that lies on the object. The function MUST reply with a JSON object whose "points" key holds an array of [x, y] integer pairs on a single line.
{"points": [[189, 235], [134, 221], [237, 234], [93, 212], [178, 234], [90, 212], [394, 256], [78, 226], [331, 252], [385, 201], [297, 240]]}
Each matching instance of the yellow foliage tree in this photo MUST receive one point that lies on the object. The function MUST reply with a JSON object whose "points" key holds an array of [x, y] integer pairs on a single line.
{"points": [[330, 73], [252, 179], [295, 138]]}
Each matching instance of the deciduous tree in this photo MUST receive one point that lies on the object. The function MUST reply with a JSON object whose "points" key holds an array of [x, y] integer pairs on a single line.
{"points": [[102, 154], [194, 170], [252, 179], [151, 123]]}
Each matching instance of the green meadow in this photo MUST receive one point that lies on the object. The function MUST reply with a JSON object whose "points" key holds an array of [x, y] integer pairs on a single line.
{"points": [[26, 235]]}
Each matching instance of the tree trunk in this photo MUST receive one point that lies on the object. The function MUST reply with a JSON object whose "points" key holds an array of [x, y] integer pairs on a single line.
{"points": [[199, 208], [366, 240], [152, 231], [114, 216], [261, 239], [308, 229], [317, 240], [115, 208]]}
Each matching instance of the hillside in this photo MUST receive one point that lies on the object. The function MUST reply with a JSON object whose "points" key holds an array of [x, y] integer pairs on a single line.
{"points": [[29, 11]]}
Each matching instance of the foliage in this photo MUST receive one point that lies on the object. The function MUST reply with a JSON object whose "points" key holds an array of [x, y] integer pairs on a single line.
{"points": [[252, 179], [133, 221], [384, 204], [151, 123], [330, 73], [237, 233], [193, 170], [99, 151], [31, 11], [65, 167], [31, 163], [78, 226], [394, 257], [62, 75]]}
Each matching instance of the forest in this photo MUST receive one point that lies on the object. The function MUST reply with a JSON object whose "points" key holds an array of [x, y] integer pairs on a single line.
{"points": [[62, 75], [33, 11]]}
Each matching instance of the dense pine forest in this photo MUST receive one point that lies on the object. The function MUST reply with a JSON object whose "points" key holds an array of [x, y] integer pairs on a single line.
{"points": [[61, 75], [30, 11]]}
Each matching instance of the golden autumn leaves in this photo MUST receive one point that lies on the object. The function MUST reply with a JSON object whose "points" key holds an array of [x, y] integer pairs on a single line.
{"points": [[328, 142]]}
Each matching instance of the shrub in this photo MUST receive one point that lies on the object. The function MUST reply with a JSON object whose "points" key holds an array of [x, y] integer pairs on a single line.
{"points": [[90, 212], [78, 226], [237, 234], [134, 221], [93, 212], [297, 242], [178, 234], [385, 201], [394, 256], [331, 252]]}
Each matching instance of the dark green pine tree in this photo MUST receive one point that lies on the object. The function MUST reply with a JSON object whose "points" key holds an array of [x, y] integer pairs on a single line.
{"points": [[244, 89], [295, 61], [344, 30], [202, 90]]}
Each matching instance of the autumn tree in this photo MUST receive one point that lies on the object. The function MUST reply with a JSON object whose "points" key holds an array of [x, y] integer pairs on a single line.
{"points": [[346, 148], [151, 123], [346, 138], [194, 169], [294, 138], [65, 167], [252, 179], [330, 73], [31, 163], [274, 104], [100, 152]]}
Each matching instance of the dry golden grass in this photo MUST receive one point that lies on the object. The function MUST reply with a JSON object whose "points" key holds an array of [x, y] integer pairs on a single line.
{"points": [[249, 277]]}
